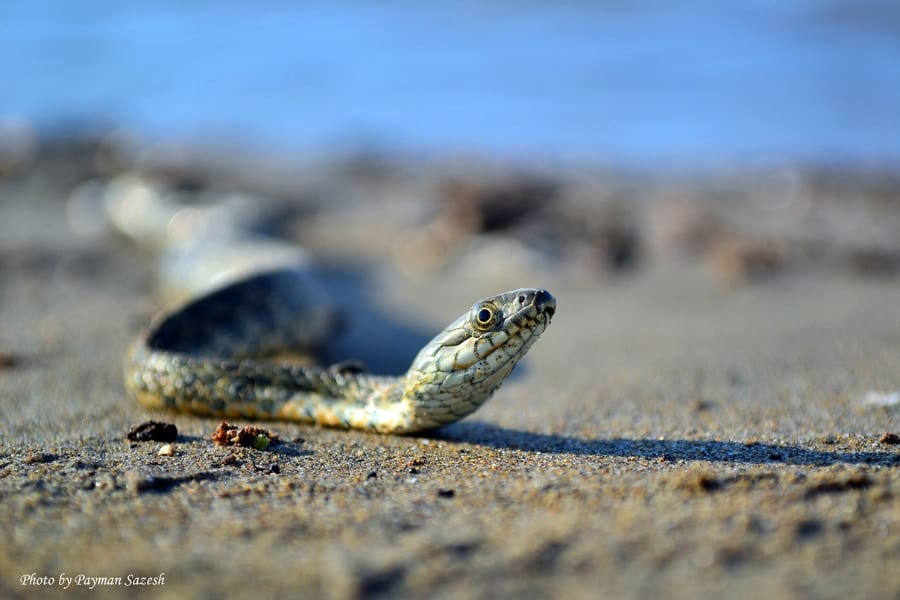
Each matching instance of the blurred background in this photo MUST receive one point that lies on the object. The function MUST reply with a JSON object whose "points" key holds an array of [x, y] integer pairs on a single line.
{"points": [[685, 84], [760, 137]]}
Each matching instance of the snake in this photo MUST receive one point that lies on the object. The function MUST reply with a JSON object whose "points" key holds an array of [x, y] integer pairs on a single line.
{"points": [[216, 352]]}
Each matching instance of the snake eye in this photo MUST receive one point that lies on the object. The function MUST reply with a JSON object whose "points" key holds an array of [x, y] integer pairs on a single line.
{"points": [[484, 318]]}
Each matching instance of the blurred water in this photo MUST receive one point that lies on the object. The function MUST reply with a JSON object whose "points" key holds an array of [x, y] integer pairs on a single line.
{"points": [[637, 82]]}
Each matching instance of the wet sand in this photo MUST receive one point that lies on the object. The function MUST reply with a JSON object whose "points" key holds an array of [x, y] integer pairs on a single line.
{"points": [[710, 413]]}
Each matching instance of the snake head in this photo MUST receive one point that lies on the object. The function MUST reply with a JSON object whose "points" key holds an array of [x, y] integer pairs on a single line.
{"points": [[460, 368]]}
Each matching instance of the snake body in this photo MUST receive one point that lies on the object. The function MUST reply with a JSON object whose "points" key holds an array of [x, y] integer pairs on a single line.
{"points": [[211, 356]]}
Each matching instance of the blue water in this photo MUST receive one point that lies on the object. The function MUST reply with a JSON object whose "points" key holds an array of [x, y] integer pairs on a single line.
{"points": [[624, 81]]}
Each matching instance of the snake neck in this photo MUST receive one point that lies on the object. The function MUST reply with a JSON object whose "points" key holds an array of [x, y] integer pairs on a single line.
{"points": [[353, 401], [432, 402]]}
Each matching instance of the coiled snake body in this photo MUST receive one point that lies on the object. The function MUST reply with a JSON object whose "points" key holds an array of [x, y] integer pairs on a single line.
{"points": [[208, 357]]}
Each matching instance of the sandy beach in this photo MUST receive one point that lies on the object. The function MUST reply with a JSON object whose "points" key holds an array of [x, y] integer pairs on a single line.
{"points": [[714, 411]]}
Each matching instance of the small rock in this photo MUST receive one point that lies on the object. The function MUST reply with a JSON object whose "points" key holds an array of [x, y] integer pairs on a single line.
{"points": [[105, 483], [699, 483], [153, 431], [36, 456], [890, 438], [8, 360], [249, 436], [702, 405], [167, 450]]}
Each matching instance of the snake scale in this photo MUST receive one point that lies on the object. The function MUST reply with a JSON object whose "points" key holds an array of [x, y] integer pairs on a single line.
{"points": [[212, 354]]}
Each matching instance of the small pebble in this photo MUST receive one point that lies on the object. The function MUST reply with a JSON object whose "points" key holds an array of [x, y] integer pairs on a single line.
{"points": [[36, 456], [249, 436], [105, 483], [8, 360], [166, 450], [153, 431], [890, 438]]}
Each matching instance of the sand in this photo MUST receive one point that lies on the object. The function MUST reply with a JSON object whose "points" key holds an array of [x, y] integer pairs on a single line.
{"points": [[693, 423]]}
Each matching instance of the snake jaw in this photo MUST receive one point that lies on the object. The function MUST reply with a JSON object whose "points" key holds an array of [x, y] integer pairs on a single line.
{"points": [[463, 365]]}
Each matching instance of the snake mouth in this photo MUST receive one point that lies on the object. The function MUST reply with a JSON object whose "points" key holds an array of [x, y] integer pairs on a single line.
{"points": [[544, 302], [532, 304]]}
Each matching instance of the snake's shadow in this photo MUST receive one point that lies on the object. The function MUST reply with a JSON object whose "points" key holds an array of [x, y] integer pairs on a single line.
{"points": [[493, 436], [384, 343]]}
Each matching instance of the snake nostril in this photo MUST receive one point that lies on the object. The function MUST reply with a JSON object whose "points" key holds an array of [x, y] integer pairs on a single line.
{"points": [[521, 299], [545, 302]]}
